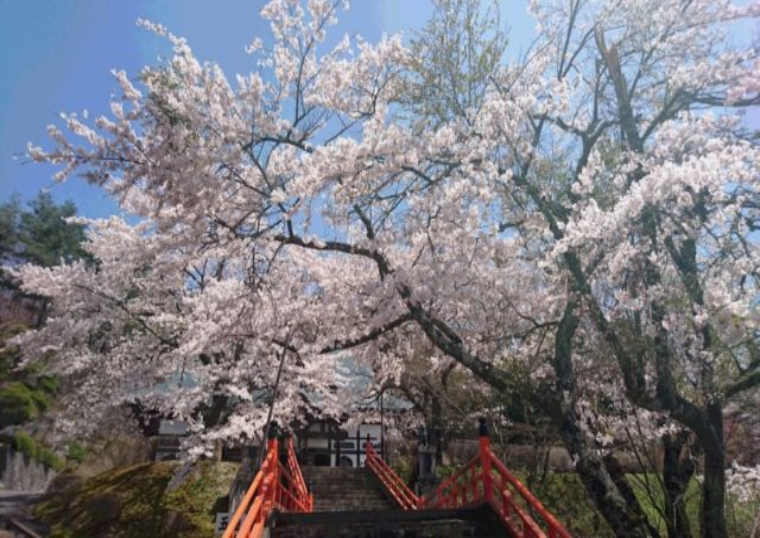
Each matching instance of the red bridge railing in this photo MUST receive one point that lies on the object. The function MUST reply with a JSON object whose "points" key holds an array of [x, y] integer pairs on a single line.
{"points": [[404, 497], [275, 486], [484, 479]]}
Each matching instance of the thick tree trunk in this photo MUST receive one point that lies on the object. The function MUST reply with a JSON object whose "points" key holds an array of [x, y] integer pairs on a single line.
{"points": [[619, 507], [713, 509], [677, 472], [624, 515], [617, 474]]}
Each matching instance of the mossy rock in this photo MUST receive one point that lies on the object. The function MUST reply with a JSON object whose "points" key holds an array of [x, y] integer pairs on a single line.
{"points": [[104, 509], [134, 502], [119, 451], [65, 483]]}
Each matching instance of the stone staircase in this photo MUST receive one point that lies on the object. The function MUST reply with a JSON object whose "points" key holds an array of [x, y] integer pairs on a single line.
{"points": [[478, 522], [343, 489], [350, 503]]}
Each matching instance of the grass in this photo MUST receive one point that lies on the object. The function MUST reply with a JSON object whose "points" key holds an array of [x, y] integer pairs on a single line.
{"points": [[565, 496], [134, 502], [739, 516]]}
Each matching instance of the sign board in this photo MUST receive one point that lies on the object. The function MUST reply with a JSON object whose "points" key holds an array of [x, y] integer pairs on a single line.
{"points": [[222, 519]]}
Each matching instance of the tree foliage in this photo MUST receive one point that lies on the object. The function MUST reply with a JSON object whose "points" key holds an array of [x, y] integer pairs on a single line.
{"points": [[42, 233], [582, 216]]}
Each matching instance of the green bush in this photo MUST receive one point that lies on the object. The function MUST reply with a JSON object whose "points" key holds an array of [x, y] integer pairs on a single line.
{"points": [[76, 452], [27, 445], [24, 443], [48, 384], [20, 403]]}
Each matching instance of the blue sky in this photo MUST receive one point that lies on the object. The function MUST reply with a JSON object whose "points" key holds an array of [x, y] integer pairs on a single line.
{"points": [[57, 57]]}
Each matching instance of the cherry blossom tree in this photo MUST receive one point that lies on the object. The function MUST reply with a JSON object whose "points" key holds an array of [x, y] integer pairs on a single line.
{"points": [[582, 226]]}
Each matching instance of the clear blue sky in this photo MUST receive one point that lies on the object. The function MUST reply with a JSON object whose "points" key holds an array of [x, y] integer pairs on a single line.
{"points": [[56, 56]]}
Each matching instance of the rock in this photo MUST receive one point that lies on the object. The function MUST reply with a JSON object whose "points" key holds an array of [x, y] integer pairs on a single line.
{"points": [[175, 523], [120, 451], [104, 508], [67, 483]]}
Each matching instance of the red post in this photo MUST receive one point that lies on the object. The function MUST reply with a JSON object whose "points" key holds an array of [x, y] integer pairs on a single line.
{"points": [[271, 479], [485, 460]]}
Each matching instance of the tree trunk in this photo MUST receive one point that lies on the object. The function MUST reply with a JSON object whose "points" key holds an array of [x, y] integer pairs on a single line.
{"points": [[622, 512], [713, 509], [624, 516], [677, 472]]}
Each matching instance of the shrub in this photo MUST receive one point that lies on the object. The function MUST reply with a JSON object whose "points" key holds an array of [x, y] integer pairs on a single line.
{"points": [[21, 403], [76, 452], [27, 445]]}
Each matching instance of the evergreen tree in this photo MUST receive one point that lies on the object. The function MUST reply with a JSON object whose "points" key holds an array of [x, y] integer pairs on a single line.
{"points": [[9, 219], [40, 234], [48, 239]]}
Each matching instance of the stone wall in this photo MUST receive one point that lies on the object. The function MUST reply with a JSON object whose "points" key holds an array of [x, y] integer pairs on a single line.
{"points": [[518, 456], [21, 473]]}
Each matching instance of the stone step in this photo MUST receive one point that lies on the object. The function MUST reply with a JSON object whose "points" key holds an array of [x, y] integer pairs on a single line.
{"points": [[477, 522], [345, 488]]}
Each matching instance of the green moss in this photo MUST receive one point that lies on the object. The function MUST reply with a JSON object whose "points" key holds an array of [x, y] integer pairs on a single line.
{"points": [[76, 452], [196, 498], [49, 384], [133, 502], [26, 444], [21, 403]]}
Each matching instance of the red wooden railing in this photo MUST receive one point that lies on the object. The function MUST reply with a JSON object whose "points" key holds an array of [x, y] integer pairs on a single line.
{"points": [[484, 479], [404, 497], [275, 486]]}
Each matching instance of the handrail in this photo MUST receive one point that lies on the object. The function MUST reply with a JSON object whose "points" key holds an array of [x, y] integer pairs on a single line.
{"points": [[485, 479], [451, 483], [274, 487], [556, 529], [295, 471], [404, 497], [288, 487], [248, 499]]}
